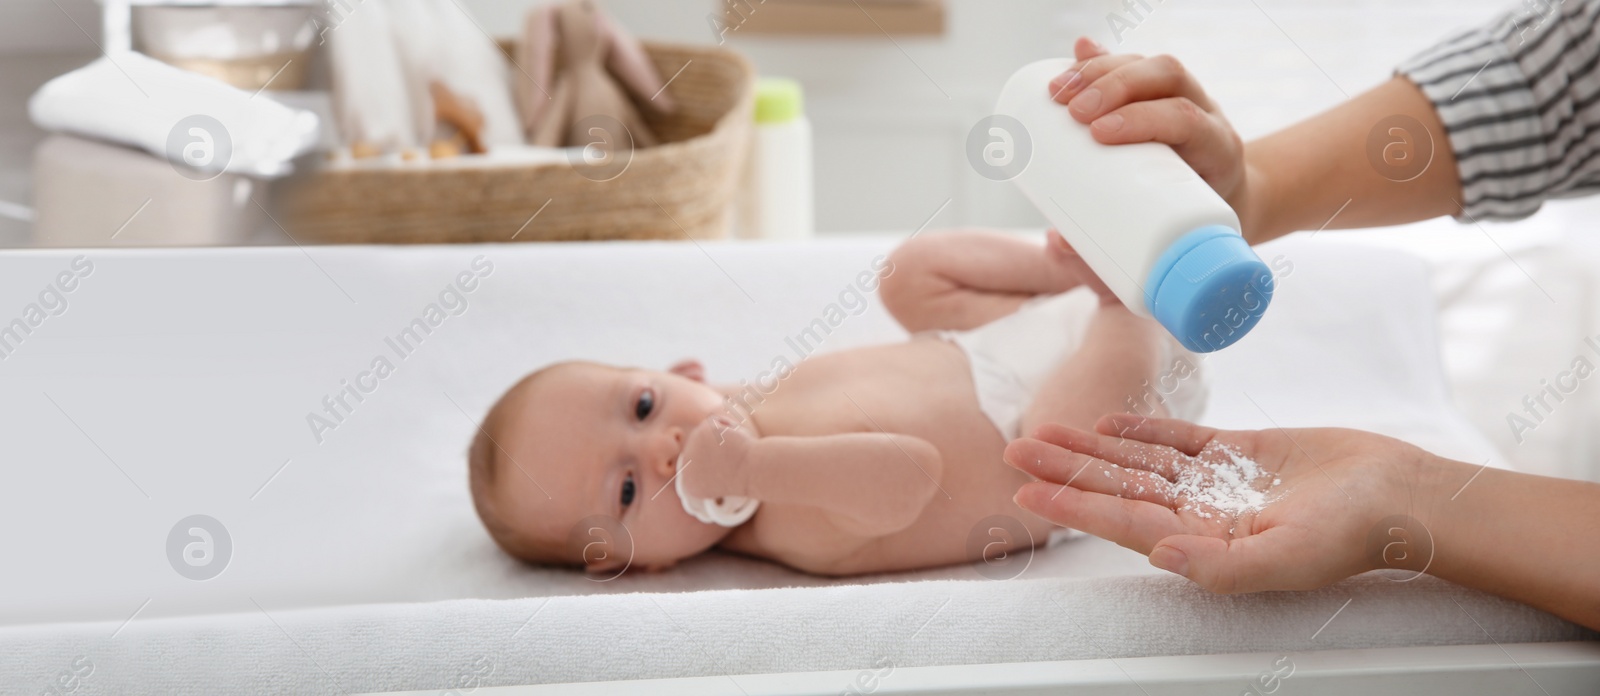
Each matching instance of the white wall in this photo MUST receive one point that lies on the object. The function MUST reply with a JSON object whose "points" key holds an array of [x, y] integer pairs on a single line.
{"points": [[48, 26]]}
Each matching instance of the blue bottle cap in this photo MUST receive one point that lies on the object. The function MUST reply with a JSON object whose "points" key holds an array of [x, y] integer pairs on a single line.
{"points": [[1209, 288]]}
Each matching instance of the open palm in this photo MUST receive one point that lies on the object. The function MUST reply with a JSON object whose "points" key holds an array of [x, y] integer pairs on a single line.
{"points": [[1172, 490]]}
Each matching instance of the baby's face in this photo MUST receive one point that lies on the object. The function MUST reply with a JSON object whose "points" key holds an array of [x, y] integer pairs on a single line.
{"points": [[600, 440]]}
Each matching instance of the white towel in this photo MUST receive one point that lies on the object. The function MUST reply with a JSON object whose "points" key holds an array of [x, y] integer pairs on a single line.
{"points": [[132, 99], [465, 644], [370, 92], [474, 67], [385, 55]]}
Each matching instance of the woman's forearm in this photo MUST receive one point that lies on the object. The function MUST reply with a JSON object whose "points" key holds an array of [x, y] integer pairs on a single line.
{"points": [[1534, 539], [1380, 158]]}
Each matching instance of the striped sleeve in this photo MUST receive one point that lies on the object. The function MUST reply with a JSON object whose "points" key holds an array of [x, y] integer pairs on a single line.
{"points": [[1518, 98]]}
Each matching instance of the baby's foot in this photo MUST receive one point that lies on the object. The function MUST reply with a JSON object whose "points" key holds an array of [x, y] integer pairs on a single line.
{"points": [[1067, 259]]}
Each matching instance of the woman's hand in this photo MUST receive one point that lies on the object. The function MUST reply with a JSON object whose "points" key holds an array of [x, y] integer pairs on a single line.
{"points": [[1135, 482], [712, 464], [1133, 99]]}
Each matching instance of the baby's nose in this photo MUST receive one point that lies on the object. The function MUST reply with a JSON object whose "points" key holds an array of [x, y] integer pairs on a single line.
{"points": [[669, 449], [672, 444]]}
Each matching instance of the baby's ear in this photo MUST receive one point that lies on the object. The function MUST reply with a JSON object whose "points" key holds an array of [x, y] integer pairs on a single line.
{"points": [[690, 368]]}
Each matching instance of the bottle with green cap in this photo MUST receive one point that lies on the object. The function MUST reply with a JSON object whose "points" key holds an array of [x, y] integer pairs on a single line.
{"points": [[776, 202]]}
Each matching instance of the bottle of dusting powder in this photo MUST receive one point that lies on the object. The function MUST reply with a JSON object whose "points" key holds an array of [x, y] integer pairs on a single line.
{"points": [[1144, 221]]}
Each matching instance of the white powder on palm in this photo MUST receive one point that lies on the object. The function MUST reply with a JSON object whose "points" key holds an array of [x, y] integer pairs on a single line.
{"points": [[1230, 485]]}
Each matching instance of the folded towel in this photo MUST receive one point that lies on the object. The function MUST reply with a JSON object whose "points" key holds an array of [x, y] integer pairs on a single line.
{"points": [[188, 118], [471, 643], [378, 108], [473, 66]]}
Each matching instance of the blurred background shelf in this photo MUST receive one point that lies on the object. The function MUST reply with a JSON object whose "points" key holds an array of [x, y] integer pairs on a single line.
{"points": [[116, 15], [891, 116]]}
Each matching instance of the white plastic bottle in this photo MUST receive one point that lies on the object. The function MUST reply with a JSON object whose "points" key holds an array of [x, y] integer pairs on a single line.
{"points": [[1144, 221], [777, 199]]}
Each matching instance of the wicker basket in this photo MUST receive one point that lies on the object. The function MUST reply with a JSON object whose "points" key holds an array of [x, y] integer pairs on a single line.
{"points": [[680, 187]]}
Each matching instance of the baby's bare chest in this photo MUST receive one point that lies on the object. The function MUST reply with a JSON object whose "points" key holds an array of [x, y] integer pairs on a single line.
{"points": [[921, 387]]}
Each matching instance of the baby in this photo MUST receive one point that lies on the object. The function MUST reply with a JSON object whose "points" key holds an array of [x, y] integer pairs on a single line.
{"points": [[867, 460]]}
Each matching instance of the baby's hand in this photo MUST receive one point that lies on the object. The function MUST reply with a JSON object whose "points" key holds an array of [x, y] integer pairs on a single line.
{"points": [[1133, 99], [712, 464]]}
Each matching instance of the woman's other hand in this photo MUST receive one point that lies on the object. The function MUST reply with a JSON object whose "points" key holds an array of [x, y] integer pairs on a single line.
{"points": [[1154, 486]]}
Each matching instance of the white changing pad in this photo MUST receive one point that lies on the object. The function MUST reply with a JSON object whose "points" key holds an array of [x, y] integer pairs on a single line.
{"points": [[178, 382], [461, 643]]}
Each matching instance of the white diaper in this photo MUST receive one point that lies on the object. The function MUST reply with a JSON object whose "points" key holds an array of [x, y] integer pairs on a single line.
{"points": [[728, 511], [1012, 356]]}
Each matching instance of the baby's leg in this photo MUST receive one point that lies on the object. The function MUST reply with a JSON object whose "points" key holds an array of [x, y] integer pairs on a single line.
{"points": [[1112, 372], [1115, 366], [963, 279]]}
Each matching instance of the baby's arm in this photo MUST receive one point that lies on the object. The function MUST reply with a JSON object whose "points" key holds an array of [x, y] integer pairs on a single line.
{"points": [[870, 484]]}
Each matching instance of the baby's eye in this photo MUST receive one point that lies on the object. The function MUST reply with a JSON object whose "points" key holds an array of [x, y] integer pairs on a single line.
{"points": [[627, 491], [647, 401]]}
